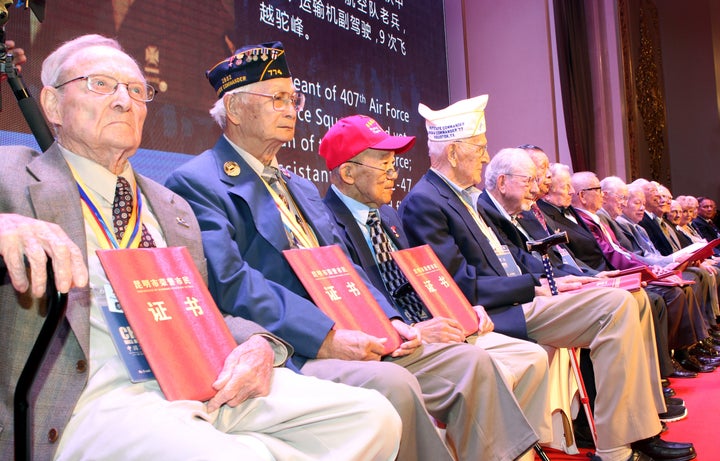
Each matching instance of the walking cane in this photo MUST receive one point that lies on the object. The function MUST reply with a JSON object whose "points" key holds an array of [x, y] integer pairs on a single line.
{"points": [[542, 247]]}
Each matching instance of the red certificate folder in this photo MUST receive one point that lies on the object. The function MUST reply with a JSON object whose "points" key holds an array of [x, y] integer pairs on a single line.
{"points": [[180, 329], [436, 287], [694, 252], [337, 289]]}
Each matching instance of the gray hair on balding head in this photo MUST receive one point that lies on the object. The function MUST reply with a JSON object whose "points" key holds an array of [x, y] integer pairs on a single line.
{"points": [[54, 65], [611, 183], [507, 161]]}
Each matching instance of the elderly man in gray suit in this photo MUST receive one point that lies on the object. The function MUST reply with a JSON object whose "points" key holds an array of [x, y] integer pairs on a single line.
{"points": [[60, 203]]}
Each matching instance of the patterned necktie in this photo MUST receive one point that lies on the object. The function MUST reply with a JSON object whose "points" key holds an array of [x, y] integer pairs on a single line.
{"points": [[670, 235], [539, 216], [122, 210], [397, 285]]}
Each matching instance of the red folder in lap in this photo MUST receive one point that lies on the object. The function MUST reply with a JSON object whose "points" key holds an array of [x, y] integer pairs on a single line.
{"points": [[337, 289], [180, 329], [436, 287]]}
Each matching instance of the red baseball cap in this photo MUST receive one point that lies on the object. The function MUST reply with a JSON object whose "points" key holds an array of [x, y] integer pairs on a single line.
{"points": [[352, 135]]}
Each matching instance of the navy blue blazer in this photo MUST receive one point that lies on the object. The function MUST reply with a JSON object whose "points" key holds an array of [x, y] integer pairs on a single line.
{"points": [[432, 213], [243, 239]]}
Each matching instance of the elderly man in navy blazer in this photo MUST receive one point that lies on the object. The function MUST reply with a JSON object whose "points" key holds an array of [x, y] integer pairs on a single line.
{"points": [[441, 210]]}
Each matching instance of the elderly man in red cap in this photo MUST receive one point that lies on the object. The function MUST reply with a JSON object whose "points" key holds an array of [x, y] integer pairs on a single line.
{"points": [[250, 212]]}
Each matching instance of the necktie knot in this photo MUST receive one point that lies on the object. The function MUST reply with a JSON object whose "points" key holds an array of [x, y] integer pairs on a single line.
{"points": [[122, 211], [270, 174]]}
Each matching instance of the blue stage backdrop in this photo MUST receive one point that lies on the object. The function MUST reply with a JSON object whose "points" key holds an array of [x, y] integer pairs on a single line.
{"points": [[374, 57]]}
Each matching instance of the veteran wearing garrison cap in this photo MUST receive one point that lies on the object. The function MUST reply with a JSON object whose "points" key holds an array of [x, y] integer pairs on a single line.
{"points": [[250, 212], [442, 210]]}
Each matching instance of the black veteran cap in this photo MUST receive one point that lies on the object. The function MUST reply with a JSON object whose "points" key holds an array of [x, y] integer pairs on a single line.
{"points": [[249, 64]]}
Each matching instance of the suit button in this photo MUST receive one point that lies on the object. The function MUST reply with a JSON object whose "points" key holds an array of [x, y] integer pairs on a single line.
{"points": [[52, 435], [81, 366]]}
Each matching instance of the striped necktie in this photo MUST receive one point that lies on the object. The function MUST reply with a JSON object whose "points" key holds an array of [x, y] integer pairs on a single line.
{"points": [[395, 282]]}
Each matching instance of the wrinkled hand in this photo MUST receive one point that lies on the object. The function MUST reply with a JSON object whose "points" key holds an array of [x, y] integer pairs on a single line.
{"points": [[485, 323], [351, 345], [22, 237], [247, 373], [440, 330], [411, 335], [709, 267], [543, 289], [607, 274], [19, 57]]}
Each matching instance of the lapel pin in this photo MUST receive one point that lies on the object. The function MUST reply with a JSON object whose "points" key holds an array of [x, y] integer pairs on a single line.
{"points": [[182, 222], [231, 168]]}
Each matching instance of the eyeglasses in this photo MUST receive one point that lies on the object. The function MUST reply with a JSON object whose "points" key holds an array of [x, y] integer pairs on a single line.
{"points": [[598, 188], [480, 148], [283, 99], [102, 84], [389, 172], [526, 179], [620, 198]]}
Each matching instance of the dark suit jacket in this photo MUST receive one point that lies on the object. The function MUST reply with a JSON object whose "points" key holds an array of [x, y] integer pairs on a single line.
{"points": [[706, 229], [42, 187], [244, 237], [351, 234], [656, 235], [516, 241], [582, 242], [432, 213], [537, 231]]}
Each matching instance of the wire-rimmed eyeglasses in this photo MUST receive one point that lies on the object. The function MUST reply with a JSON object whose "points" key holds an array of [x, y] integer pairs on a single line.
{"points": [[106, 85], [389, 172], [481, 148], [283, 99], [526, 179]]}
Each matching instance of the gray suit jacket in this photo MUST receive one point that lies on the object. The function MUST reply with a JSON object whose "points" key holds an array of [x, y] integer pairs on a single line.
{"points": [[41, 186]]}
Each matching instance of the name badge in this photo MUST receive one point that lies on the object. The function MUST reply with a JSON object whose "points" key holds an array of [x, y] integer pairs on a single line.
{"points": [[122, 335], [567, 258], [507, 261]]}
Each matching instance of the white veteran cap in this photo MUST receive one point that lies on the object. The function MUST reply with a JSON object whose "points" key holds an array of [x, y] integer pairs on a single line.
{"points": [[461, 120]]}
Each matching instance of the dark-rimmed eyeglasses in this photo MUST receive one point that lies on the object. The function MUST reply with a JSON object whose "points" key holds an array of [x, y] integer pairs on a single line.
{"points": [[106, 85], [389, 172], [283, 99], [597, 189]]}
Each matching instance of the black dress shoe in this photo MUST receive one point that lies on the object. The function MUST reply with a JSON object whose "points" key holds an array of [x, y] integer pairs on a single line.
{"points": [[665, 382], [668, 391], [705, 360], [674, 401], [701, 349], [660, 450], [681, 372], [692, 364], [673, 413]]}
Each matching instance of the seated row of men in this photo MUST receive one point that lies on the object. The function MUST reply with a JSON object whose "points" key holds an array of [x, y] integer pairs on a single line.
{"points": [[297, 387]]}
